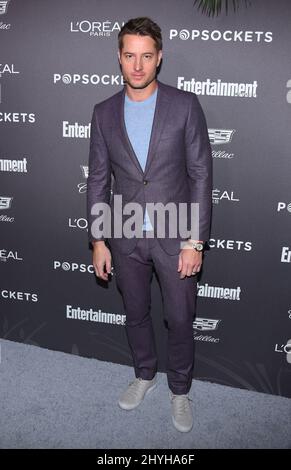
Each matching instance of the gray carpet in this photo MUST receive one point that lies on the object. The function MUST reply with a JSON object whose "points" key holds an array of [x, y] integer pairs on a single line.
{"points": [[55, 400]]}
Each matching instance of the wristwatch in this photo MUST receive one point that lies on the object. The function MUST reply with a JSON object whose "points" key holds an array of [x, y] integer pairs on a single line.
{"points": [[198, 246]]}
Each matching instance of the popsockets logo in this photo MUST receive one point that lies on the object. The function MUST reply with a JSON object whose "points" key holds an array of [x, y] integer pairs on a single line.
{"points": [[88, 79], [184, 34], [237, 36], [284, 206], [73, 266]]}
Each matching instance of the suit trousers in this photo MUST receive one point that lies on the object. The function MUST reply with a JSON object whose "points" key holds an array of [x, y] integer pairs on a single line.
{"points": [[133, 274]]}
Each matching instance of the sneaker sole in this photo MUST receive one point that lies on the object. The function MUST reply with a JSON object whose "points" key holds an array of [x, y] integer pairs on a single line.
{"points": [[179, 428], [128, 407]]}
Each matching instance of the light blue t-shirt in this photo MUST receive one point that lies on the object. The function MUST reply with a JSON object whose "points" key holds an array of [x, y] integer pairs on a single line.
{"points": [[138, 116]]}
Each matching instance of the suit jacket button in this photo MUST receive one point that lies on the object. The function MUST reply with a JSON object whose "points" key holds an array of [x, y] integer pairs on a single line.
{"points": [[145, 182]]}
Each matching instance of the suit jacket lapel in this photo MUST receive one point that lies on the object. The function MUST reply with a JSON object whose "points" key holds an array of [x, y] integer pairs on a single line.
{"points": [[159, 120]]}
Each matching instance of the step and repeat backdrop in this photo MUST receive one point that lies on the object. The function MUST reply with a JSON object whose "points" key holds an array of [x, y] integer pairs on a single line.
{"points": [[57, 60]]}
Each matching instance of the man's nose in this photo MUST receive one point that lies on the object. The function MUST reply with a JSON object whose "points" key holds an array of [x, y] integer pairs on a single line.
{"points": [[138, 64]]}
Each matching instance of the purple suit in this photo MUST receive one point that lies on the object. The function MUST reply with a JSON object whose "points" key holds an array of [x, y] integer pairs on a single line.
{"points": [[178, 169]]}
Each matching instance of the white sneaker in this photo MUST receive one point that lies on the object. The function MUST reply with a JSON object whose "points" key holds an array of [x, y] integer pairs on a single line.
{"points": [[136, 392], [182, 415]]}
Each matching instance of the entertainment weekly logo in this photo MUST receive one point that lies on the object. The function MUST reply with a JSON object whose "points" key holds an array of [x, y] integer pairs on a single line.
{"points": [[13, 166], [96, 28], [218, 87], [216, 292], [235, 36], [78, 313], [286, 254], [76, 130]]}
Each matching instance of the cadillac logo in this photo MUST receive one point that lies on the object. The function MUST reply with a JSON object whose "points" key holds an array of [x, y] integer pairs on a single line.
{"points": [[3, 6]]}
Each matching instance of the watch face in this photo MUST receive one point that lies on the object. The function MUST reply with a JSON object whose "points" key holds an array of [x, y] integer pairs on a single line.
{"points": [[199, 246]]}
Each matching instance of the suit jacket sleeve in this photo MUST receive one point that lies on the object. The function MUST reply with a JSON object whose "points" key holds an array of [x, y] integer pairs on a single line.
{"points": [[199, 165], [99, 178]]}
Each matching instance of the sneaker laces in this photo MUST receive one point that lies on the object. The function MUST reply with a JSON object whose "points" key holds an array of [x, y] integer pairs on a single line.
{"points": [[181, 403], [133, 387]]}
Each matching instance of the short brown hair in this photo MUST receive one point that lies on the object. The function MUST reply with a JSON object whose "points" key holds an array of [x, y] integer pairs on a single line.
{"points": [[143, 26]]}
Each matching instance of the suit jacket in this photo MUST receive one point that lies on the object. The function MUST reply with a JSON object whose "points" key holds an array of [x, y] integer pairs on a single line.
{"points": [[178, 167]]}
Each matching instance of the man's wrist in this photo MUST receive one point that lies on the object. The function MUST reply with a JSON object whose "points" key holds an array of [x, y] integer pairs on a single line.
{"points": [[197, 245], [97, 242]]}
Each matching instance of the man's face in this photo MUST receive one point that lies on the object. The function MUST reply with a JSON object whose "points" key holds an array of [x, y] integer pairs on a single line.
{"points": [[139, 60]]}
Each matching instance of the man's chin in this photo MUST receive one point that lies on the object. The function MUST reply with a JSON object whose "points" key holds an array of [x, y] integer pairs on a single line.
{"points": [[138, 85]]}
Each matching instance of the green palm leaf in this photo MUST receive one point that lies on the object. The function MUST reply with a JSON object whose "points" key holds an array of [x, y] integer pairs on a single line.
{"points": [[214, 7]]}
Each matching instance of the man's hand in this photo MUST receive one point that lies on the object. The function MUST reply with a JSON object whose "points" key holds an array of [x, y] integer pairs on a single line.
{"points": [[101, 259], [189, 260]]}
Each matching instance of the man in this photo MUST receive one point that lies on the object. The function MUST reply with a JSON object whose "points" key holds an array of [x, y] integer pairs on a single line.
{"points": [[151, 139]]}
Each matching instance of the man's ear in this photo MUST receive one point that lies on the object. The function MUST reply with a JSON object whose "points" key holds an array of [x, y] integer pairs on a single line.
{"points": [[160, 56], [118, 54]]}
